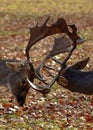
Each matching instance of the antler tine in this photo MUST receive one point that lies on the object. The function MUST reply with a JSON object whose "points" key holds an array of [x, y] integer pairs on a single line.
{"points": [[37, 71], [70, 53], [49, 73], [43, 90], [59, 62], [51, 68], [74, 28], [74, 32], [44, 24]]}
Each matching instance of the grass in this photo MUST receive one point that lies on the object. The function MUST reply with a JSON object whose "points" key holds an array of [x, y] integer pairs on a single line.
{"points": [[16, 15], [15, 12], [37, 8]]}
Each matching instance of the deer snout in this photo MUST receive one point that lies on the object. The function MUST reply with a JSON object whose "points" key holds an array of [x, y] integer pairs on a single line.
{"points": [[21, 99]]}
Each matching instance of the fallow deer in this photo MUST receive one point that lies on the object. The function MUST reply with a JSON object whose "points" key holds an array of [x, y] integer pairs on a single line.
{"points": [[19, 75]]}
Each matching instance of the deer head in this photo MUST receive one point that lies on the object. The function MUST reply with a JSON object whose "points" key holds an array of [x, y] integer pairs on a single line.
{"points": [[15, 74], [74, 68], [77, 80]]}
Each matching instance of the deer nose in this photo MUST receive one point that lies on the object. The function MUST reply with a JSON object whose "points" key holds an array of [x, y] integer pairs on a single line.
{"points": [[21, 103]]}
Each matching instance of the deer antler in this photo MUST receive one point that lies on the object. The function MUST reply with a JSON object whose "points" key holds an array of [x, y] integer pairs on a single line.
{"points": [[39, 32]]}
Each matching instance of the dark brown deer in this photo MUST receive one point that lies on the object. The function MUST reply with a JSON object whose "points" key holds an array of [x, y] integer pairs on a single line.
{"points": [[19, 75], [77, 80]]}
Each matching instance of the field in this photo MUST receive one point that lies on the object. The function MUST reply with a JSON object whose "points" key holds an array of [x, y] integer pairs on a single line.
{"points": [[60, 109]]}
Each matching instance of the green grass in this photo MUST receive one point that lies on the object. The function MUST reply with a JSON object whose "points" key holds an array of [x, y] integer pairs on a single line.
{"points": [[36, 8], [17, 12]]}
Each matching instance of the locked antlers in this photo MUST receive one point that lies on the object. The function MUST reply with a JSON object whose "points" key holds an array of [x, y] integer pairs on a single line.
{"points": [[61, 45]]}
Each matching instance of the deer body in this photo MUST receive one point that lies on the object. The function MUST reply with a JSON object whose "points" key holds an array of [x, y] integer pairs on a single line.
{"points": [[12, 75], [78, 81]]}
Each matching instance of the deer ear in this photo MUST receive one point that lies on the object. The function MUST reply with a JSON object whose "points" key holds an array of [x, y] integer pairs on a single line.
{"points": [[81, 64], [17, 66]]}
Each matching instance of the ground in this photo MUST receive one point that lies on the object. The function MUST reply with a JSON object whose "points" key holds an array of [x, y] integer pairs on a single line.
{"points": [[60, 109]]}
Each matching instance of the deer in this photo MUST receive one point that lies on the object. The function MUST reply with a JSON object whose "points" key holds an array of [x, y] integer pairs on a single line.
{"points": [[76, 80], [19, 75]]}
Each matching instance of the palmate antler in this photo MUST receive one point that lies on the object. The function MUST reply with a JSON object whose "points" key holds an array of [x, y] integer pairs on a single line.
{"points": [[39, 32]]}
